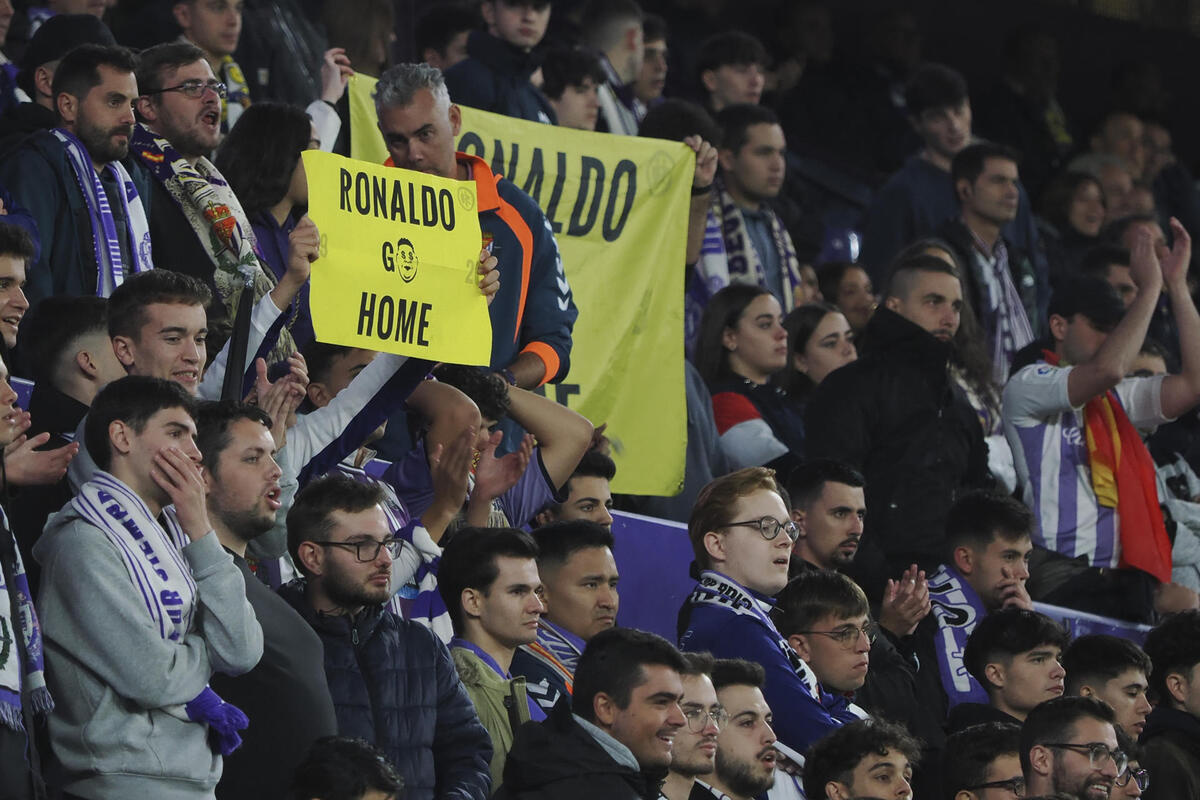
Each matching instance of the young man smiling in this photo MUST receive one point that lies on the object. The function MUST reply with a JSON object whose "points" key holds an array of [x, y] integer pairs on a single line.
{"points": [[1069, 745], [615, 740], [742, 537]]}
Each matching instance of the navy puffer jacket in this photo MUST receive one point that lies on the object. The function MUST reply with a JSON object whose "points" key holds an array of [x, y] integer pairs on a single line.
{"points": [[394, 684]]}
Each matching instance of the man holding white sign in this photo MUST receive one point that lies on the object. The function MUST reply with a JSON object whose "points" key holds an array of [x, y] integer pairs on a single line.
{"points": [[533, 314]]}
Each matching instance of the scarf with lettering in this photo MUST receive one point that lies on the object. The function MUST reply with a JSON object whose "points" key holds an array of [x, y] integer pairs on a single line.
{"points": [[957, 609], [106, 244], [237, 97], [212, 209], [742, 259], [715, 589], [152, 555], [20, 635], [1123, 478]]}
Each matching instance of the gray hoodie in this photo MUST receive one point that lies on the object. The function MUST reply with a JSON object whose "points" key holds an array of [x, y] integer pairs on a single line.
{"points": [[118, 728]]}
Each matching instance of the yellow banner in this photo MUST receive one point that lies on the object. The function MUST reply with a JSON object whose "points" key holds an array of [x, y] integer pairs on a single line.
{"points": [[399, 259], [618, 207]]}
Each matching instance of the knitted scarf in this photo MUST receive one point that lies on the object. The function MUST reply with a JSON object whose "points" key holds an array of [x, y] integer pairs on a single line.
{"points": [[743, 262], [1123, 478], [152, 554], [957, 609], [216, 216], [19, 635], [105, 242]]}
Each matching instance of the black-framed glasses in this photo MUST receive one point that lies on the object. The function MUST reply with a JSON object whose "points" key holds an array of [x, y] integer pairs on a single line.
{"points": [[367, 550], [1097, 753], [847, 635], [1014, 785], [1141, 776], [769, 527], [195, 89], [698, 718]]}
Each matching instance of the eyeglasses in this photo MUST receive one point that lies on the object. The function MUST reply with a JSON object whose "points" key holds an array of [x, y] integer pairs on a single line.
{"points": [[367, 550], [769, 527], [1014, 785], [698, 718], [847, 636], [1097, 753], [195, 89], [1141, 776]]}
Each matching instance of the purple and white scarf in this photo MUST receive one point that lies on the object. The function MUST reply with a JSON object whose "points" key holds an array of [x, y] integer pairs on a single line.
{"points": [[153, 555], [105, 242], [22, 622], [957, 609], [742, 260]]}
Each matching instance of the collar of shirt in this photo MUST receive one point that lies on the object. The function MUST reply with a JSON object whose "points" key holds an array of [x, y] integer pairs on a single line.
{"points": [[483, 656]]}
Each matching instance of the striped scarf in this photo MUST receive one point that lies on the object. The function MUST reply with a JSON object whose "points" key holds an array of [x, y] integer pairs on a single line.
{"points": [[22, 666], [152, 553], [957, 609], [743, 262], [106, 244]]}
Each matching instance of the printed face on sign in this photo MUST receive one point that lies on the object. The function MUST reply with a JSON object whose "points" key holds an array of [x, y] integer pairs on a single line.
{"points": [[406, 260]]}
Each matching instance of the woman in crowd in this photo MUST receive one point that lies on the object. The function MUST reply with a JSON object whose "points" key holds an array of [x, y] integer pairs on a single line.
{"points": [[819, 341], [261, 160], [1071, 215], [742, 344], [848, 287]]}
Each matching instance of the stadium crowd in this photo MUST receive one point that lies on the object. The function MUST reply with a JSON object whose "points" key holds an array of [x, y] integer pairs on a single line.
{"points": [[907, 426]]}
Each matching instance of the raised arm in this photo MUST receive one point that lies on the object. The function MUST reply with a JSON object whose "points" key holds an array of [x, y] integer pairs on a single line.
{"points": [[1112, 361], [562, 434], [1181, 392]]}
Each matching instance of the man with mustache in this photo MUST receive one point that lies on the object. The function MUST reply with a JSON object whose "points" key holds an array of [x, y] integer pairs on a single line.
{"points": [[882, 414], [1069, 745], [695, 751], [286, 694], [746, 755], [196, 223], [392, 680], [90, 215]]}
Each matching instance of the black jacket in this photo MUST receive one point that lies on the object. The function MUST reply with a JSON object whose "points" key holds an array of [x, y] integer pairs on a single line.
{"points": [[558, 759], [965, 715], [495, 77], [1171, 752], [896, 415], [394, 684]]}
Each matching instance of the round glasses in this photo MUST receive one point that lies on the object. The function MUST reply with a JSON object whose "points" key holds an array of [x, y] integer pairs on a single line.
{"points": [[1097, 753], [847, 635], [367, 550], [698, 718], [769, 527]]}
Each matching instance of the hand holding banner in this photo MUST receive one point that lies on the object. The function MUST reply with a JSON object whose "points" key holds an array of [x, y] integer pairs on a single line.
{"points": [[399, 259]]}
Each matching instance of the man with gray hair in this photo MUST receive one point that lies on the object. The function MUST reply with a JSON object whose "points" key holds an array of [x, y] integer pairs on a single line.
{"points": [[533, 313]]}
